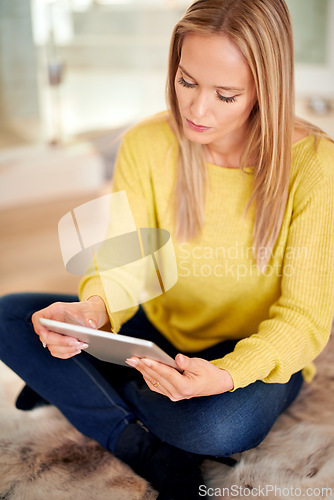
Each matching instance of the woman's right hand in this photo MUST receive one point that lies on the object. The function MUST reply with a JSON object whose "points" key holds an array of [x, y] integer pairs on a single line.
{"points": [[91, 313]]}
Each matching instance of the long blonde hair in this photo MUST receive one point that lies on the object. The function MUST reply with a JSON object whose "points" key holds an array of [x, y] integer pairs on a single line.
{"points": [[261, 29]]}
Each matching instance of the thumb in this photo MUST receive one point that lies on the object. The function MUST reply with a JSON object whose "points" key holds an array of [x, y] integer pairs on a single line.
{"points": [[83, 317], [184, 362], [91, 323]]}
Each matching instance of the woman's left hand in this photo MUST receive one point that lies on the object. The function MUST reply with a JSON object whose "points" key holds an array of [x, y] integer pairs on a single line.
{"points": [[199, 377]]}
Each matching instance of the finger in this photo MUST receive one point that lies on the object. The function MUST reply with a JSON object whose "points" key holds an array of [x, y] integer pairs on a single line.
{"points": [[136, 363], [159, 388], [155, 372], [150, 377], [52, 338], [62, 346], [156, 387], [39, 329], [60, 350], [190, 365], [64, 355], [172, 376]]}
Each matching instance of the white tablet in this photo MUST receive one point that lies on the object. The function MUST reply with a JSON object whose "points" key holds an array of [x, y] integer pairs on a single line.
{"points": [[110, 347]]}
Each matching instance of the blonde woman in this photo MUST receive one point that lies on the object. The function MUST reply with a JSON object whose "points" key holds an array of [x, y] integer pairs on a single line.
{"points": [[246, 190]]}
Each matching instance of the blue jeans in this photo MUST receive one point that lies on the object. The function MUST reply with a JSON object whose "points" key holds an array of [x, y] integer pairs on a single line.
{"points": [[100, 398]]}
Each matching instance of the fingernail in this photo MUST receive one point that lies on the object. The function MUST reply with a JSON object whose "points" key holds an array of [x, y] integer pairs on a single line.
{"points": [[92, 323], [74, 343], [84, 346], [132, 362]]}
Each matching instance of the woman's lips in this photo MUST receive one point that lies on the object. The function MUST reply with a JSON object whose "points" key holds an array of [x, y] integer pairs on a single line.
{"points": [[197, 128]]}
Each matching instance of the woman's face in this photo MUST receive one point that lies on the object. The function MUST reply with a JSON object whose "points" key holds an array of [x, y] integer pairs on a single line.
{"points": [[215, 91]]}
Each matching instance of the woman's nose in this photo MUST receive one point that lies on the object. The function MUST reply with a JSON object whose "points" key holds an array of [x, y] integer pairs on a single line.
{"points": [[199, 105]]}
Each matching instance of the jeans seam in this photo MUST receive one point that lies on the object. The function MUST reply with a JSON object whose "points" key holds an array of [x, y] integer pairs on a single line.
{"points": [[101, 388]]}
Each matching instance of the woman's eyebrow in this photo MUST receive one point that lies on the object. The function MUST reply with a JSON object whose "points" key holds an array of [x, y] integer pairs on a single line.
{"points": [[229, 89], [185, 72]]}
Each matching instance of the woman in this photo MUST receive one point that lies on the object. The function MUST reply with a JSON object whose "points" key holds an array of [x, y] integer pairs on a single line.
{"points": [[246, 191]]}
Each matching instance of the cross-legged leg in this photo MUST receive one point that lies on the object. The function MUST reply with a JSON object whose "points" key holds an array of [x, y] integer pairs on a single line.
{"points": [[74, 385], [219, 425]]}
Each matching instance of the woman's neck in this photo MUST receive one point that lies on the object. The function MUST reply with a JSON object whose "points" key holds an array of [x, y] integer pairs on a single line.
{"points": [[229, 150]]}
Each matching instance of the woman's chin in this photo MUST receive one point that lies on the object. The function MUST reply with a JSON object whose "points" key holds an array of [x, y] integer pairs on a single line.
{"points": [[198, 137]]}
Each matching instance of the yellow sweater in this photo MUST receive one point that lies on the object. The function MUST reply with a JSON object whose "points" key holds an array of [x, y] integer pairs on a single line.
{"points": [[283, 316]]}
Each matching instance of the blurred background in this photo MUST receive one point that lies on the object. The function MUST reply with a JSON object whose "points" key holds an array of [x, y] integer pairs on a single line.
{"points": [[74, 74]]}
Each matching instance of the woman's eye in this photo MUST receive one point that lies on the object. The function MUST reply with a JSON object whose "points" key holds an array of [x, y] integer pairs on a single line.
{"points": [[225, 99], [186, 84]]}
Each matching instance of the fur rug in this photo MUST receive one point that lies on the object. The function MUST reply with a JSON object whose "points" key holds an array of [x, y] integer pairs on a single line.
{"points": [[43, 457]]}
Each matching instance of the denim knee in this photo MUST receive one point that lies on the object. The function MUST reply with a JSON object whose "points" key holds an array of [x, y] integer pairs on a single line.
{"points": [[7, 304], [224, 437], [15, 305]]}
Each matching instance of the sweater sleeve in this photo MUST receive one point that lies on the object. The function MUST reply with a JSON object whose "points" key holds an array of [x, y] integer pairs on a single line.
{"points": [[137, 187], [299, 322]]}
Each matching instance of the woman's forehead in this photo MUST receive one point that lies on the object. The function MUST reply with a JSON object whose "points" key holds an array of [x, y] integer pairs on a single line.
{"points": [[215, 60]]}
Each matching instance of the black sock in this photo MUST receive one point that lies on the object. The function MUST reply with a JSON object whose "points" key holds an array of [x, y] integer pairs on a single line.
{"points": [[28, 399]]}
